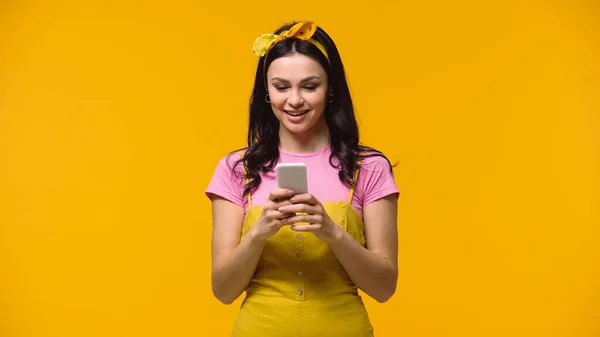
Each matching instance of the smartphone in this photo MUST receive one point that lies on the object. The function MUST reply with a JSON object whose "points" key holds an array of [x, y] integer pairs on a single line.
{"points": [[292, 176]]}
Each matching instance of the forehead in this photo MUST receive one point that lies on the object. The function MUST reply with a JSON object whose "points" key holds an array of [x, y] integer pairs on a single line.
{"points": [[295, 67]]}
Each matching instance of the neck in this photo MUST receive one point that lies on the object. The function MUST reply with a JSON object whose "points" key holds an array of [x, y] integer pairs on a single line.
{"points": [[307, 142]]}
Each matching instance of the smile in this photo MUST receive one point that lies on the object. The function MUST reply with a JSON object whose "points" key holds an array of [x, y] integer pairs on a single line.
{"points": [[296, 113]]}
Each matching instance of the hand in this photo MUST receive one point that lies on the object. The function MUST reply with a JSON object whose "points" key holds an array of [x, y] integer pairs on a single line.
{"points": [[314, 213], [270, 220]]}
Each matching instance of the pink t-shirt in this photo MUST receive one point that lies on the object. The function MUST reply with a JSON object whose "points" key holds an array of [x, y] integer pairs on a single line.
{"points": [[374, 180]]}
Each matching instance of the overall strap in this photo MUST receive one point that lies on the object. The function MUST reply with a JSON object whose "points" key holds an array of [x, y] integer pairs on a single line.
{"points": [[245, 172], [351, 194]]}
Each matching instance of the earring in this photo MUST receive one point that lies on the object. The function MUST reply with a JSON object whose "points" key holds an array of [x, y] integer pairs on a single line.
{"points": [[267, 99], [330, 100]]}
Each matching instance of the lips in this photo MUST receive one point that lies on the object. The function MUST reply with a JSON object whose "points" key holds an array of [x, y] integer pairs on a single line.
{"points": [[296, 113]]}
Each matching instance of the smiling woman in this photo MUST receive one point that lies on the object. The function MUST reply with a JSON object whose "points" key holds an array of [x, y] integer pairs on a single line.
{"points": [[303, 279]]}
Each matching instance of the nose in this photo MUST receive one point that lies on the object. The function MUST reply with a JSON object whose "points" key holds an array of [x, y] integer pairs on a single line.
{"points": [[295, 100]]}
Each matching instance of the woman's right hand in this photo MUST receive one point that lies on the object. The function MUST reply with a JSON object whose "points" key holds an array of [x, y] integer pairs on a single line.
{"points": [[269, 222]]}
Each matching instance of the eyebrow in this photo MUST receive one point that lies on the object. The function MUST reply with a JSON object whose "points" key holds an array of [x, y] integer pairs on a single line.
{"points": [[310, 78]]}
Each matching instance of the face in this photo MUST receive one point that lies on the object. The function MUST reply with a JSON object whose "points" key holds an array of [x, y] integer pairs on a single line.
{"points": [[297, 87]]}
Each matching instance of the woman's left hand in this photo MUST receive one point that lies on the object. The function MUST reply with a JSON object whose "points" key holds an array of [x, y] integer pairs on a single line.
{"points": [[315, 215]]}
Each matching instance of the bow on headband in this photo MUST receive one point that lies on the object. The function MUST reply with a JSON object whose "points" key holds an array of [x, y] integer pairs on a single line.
{"points": [[302, 30]]}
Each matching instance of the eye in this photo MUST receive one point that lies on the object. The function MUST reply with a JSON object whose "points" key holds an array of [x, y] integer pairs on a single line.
{"points": [[280, 87], [310, 87]]}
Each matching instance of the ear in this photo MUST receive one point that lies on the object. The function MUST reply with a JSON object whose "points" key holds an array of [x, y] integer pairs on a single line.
{"points": [[330, 97]]}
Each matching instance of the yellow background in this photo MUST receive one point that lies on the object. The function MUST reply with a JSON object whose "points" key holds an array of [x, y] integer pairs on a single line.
{"points": [[114, 114]]}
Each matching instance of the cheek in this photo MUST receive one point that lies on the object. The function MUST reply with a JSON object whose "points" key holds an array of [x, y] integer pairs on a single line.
{"points": [[277, 101], [318, 100]]}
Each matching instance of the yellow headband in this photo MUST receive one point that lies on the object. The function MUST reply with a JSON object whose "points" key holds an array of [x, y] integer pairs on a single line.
{"points": [[302, 30]]}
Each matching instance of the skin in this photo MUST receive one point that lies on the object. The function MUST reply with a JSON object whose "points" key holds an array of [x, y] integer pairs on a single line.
{"points": [[298, 84]]}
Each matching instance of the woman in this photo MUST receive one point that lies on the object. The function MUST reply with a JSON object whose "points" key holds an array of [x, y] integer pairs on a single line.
{"points": [[300, 258]]}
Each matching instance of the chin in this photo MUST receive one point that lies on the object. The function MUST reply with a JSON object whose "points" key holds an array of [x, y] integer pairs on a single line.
{"points": [[296, 129]]}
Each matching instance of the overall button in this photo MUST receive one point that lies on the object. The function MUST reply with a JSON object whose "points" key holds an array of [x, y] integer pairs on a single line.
{"points": [[298, 237], [299, 273], [300, 292], [299, 254]]}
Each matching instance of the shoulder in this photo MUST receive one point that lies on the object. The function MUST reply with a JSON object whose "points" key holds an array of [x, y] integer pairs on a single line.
{"points": [[231, 161], [375, 161], [375, 178], [227, 179]]}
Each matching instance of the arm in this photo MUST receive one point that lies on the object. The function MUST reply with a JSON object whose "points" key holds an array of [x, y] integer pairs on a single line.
{"points": [[373, 269], [233, 262]]}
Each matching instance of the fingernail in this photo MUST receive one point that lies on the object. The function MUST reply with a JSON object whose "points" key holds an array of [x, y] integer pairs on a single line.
{"points": [[281, 209], [290, 192], [292, 199], [293, 227]]}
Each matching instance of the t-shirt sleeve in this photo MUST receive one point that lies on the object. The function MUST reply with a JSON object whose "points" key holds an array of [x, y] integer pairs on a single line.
{"points": [[226, 183], [375, 180]]}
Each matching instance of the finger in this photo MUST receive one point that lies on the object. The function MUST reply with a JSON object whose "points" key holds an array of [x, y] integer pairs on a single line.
{"points": [[298, 208], [279, 193], [275, 205], [281, 203], [307, 228], [305, 198], [276, 215], [306, 218], [283, 218]]}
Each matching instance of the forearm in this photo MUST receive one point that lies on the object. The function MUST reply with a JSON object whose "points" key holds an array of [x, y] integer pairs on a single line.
{"points": [[232, 273], [373, 274]]}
